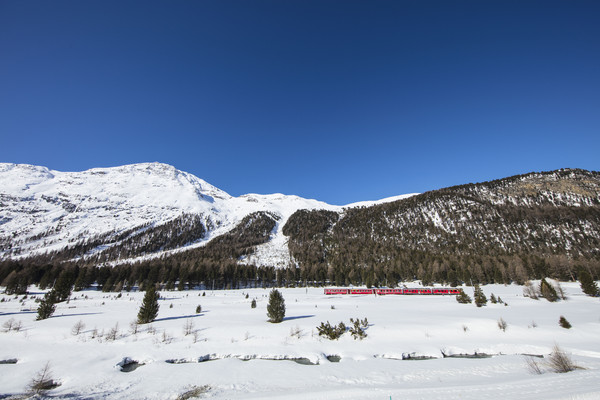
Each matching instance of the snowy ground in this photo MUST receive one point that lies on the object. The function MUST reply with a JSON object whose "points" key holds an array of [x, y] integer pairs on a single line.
{"points": [[247, 354]]}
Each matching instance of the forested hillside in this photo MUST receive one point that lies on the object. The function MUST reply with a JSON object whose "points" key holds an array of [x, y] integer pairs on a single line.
{"points": [[512, 229], [539, 224]]}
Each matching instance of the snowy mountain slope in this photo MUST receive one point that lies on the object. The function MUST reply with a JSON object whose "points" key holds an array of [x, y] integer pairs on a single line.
{"points": [[44, 210], [141, 211]]}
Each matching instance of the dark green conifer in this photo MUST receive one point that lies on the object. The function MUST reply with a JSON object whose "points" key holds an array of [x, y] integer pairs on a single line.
{"points": [[149, 309], [463, 298], [548, 291], [480, 299], [562, 321], [588, 285], [64, 285], [47, 305], [276, 307]]}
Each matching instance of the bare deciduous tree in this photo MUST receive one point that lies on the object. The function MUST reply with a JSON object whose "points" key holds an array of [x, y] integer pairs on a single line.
{"points": [[43, 381]]}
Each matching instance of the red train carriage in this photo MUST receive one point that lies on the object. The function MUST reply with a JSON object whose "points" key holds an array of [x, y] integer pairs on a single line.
{"points": [[361, 291], [411, 291], [388, 291], [446, 291], [336, 291]]}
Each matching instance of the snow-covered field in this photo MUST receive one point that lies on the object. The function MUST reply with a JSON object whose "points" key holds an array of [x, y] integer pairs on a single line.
{"points": [[249, 358]]}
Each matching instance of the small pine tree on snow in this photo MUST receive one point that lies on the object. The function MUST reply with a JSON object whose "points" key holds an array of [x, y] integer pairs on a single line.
{"points": [[463, 298], [149, 309], [588, 285], [480, 299], [253, 303], [548, 291], [47, 306], [332, 332], [562, 321], [357, 330], [493, 299], [276, 307]]}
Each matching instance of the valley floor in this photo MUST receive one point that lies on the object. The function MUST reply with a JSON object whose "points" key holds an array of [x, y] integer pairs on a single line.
{"points": [[232, 352]]}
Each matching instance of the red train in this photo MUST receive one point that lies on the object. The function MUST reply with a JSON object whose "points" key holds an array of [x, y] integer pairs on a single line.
{"points": [[394, 291]]}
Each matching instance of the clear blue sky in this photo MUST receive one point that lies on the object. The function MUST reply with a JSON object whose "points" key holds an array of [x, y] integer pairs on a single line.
{"points": [[336, 100]]}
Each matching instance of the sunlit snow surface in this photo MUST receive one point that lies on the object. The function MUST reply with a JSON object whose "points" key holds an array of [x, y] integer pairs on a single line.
{"points": [[229, 331]]}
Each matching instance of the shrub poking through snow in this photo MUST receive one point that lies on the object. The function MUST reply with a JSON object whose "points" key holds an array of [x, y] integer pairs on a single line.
{"points": [[493, 299], [43, 381], [530, 291], [149, 309], [276, 307], [113, 333], [12, 325], [134, 327], [533, 366], [194, 392], [559, 361], [296, 332], [463, 298], [331, 332], [188, 328], [502, 325], [198, 309], [548, 291], [253, 303], [357, 329], [562, 321], [77, 328], [480, 299]]}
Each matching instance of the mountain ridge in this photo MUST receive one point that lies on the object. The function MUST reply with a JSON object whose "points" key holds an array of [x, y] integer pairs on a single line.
{"points": [[45, 210], [494, 230]]}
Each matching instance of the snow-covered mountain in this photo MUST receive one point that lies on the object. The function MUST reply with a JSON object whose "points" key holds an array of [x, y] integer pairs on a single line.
{"points": [[44, 210]]}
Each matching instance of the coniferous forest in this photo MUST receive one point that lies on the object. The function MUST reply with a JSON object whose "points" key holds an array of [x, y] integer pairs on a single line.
{"points": [[509, 230]]}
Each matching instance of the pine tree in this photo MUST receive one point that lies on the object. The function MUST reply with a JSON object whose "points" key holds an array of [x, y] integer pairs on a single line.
{"points": [[63, 285], [548, 291], [588, 285], [463, 298], [47, 305], [480, 299], [276, 307], [562, 321], [149, 309]]}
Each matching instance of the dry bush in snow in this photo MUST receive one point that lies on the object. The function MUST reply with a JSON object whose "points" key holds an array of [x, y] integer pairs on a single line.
{"points": [[533, 366], [559, 361], [188, 328], [77, 328], [502, 325], [43, 381]]}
